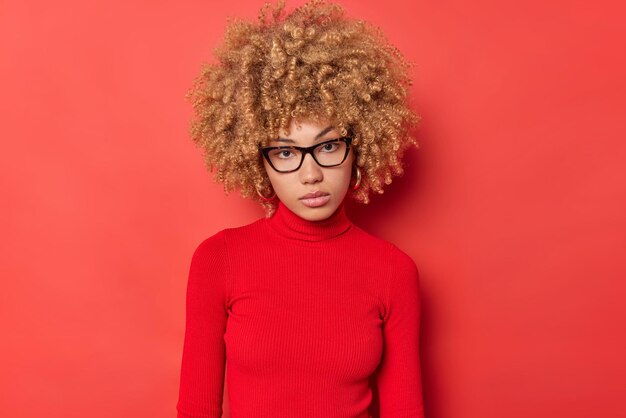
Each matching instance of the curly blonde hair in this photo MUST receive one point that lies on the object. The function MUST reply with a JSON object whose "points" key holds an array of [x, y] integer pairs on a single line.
{"points": [[313, 63]]}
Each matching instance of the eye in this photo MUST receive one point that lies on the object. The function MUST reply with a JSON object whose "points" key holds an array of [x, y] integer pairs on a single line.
{"points": [[330, 147], [282, 154]]}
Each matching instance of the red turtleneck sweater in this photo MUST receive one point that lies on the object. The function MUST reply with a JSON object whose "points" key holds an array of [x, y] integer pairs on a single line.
{"points": [[306, 318]]}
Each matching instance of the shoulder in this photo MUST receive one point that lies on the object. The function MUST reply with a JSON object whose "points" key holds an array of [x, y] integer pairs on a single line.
{"points": [[400, 268], [372, 244], [404, 277], [401, 261], [209, 256], [222, 237], [243, 233], [208, 271], [210, 245], [229, 238], [386, 250]]}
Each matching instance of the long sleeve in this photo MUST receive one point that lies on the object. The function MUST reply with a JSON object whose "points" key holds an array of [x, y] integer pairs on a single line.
{"points": [[203, 359], [399, 373]]}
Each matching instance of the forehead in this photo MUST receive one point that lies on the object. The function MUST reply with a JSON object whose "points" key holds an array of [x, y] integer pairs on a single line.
{"points": [[306, 132]]}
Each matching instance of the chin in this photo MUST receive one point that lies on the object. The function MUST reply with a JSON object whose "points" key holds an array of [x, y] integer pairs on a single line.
{"points": [[316, 214]]}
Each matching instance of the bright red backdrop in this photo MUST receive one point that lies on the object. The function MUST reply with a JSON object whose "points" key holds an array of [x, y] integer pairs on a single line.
{"points": [[513, 208]]}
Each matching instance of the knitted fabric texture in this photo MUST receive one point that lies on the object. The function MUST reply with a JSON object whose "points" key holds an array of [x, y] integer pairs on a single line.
{"points": [[301, 319]]}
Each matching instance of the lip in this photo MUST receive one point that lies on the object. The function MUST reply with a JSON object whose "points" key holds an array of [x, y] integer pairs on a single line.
{"points": [[314, 202], [315, 199], [314, 194]]}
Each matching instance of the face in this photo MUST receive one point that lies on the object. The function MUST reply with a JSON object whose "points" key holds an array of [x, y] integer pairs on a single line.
{"points": [[333, 182]]}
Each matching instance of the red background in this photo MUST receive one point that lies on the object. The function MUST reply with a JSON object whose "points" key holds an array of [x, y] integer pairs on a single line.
{"points": [[513, 208]]}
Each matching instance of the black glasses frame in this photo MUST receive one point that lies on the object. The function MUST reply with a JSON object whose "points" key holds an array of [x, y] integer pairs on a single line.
{"points": [[306, 150]]}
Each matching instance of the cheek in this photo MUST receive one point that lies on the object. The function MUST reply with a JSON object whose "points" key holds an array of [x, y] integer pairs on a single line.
{"points": [[347, 172], [271, 174], [347, 175], [341, 179], [281, 183]]}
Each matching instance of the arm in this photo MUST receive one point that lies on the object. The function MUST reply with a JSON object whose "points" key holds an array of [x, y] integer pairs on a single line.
{"points": [[399, 373], [203, 360]]}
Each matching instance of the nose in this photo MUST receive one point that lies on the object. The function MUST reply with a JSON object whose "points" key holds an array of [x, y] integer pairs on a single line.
{"points": [[310, 172]]}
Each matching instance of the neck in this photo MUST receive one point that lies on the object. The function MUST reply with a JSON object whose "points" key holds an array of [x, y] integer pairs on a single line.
{"points": [[290, 225]]}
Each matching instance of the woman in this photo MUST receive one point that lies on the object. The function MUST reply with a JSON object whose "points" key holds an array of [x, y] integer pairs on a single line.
{"points": [[306, 314]]}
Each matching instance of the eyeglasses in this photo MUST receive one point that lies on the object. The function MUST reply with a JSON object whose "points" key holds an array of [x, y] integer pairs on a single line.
{"points": [[286, 159]]}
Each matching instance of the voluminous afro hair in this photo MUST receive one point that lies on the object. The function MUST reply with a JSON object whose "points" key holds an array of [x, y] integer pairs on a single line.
{"points": [[313, 63]]}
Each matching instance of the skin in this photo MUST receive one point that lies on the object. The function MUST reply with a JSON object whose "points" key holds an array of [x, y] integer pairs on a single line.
{"points": [[289, 187]]}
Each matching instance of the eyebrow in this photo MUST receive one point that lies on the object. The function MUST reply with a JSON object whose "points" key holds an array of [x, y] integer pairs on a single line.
{"points": [[318, 136]]}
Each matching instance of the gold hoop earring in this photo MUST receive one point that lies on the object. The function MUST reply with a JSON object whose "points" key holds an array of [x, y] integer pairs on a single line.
{"points": [[358, 179], [267, 199]]}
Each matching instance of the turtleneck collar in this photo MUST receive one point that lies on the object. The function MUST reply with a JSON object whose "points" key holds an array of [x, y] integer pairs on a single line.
{"points": [[290, 225]]}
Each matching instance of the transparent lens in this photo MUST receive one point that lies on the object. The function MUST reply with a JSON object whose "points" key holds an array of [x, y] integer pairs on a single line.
{"points": [[331, 153], [285, 159], [327, 154]]}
